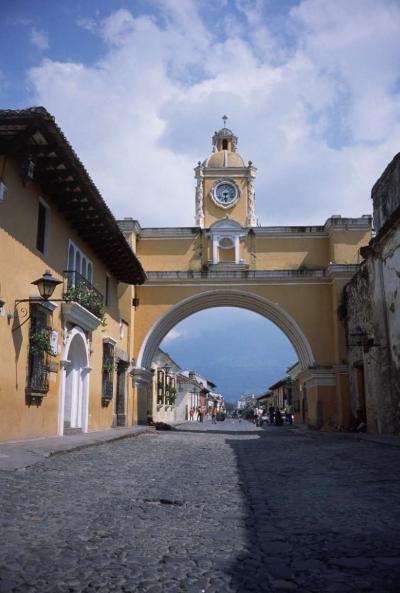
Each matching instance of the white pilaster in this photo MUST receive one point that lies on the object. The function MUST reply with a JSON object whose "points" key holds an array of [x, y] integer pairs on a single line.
{"points": [[237, 249]]}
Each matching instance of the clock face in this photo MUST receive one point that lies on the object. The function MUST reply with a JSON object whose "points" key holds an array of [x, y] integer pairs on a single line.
{"points": [[225, 193]]}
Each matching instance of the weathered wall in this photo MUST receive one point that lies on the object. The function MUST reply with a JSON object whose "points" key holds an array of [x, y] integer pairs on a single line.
{"points": [[386, 193], [372, 310]]}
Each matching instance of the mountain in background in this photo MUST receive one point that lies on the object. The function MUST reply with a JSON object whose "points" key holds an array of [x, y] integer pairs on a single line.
{"points": [[238, 350]]}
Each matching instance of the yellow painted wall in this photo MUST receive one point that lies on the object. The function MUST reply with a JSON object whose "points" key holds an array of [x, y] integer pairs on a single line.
{"points": [[310, 305], [20, 264], [344, 246], [321, 405], [170, 254], [291, 253]]}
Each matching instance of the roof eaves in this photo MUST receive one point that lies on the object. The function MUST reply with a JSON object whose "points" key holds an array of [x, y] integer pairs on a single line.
{"points": [[132, 272]]}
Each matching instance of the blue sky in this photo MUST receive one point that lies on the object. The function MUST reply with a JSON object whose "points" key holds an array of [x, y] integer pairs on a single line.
{"points": [[238, 350], [311, 88]]}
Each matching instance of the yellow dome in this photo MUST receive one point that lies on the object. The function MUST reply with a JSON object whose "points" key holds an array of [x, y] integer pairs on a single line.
{"points": [[224, 158]]}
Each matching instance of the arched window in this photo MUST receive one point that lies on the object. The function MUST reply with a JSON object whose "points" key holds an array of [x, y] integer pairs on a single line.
{"points": [[78, 262], [226, 243], [71, 257], [224, 144]]}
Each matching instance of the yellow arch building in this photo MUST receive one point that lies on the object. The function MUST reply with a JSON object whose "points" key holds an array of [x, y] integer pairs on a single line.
{"points": [[291, 275]]}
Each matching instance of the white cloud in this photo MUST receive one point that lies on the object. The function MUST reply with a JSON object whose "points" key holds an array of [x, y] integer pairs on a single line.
{"points": [[39, 39], [319, 117], [90, 24], [173, 335]]}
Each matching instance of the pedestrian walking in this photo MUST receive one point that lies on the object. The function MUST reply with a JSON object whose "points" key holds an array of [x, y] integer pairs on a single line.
{"points": [[191, 414], [214, 415], [289, 414], [271, 413], [278, 417]]}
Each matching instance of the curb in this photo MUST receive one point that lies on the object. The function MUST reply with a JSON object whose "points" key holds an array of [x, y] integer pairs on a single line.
{"points": [[25, 454], [121, 437]]}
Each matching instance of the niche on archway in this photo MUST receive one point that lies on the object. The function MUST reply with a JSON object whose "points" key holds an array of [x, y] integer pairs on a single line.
{"points": [[225, 236]]}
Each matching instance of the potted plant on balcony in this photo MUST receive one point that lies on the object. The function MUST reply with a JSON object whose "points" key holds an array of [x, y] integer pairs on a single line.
{"points": [[91, 300]]}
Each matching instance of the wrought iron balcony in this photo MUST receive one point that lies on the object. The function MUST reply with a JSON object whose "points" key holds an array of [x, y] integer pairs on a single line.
{"points": [[79, 290], [107, 391], [38, 378]]}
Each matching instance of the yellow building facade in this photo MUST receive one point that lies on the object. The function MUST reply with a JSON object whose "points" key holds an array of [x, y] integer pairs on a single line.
{"points": [[293, 276], [64, 361]]}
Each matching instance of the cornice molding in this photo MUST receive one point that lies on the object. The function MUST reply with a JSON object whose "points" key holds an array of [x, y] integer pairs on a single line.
{"points": [[335, 270], [169, 233], [78, 315], [130, 224], [232, 274], [141, 376], [337, 223]]}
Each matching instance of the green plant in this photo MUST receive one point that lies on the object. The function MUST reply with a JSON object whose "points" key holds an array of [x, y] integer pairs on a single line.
{"points": [[171, 395], [108, 365], [39, 342], [90, 299]]}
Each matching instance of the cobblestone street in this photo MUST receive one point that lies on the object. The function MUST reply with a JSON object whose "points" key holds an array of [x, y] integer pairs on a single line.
{"points": [[215, 509]]}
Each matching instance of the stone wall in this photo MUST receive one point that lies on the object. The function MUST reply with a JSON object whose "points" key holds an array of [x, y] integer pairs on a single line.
{"points": [[371, 310], [386, 194]]}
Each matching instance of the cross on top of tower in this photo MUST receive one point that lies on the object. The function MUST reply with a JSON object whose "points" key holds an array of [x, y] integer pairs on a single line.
{"points": [[224, 118]]}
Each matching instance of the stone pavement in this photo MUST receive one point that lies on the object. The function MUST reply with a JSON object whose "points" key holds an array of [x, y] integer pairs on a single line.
{"points": [[19, 454], [222, 510]]}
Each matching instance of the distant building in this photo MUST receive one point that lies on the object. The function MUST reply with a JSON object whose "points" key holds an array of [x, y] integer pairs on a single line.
{"points": [[246, 401], [176, 391], [281, 393]]}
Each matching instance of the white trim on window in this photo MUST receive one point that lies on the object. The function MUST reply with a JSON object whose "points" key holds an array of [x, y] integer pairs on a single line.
{"points": [[46, 207], [78, 261], [107, 298]]}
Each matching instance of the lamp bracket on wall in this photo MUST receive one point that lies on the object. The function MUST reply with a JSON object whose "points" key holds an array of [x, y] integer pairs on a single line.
{"points": [[23, 312], [46, 285]]}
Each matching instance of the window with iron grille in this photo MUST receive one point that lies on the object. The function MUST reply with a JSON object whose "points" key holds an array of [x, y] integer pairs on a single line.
{"points": [[39, 350], [170, 390], [160, 386], [108, 371]]}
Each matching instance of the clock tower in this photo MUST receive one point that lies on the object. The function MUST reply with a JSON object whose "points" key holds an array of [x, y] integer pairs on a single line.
{"points": [[225, 185]]}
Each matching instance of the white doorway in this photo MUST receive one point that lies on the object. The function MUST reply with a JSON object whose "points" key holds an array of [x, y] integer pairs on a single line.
{"points": [[74, 388]]}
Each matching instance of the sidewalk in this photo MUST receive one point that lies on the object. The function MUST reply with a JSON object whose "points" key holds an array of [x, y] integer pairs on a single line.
{"points": [[20, 454], [388, 440]]}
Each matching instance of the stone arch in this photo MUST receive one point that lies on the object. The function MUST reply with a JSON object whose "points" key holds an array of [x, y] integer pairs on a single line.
{"points": [[226, 298]]}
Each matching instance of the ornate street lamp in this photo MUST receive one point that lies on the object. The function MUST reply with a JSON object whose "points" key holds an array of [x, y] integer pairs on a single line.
{"points": [[46, 285]]}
